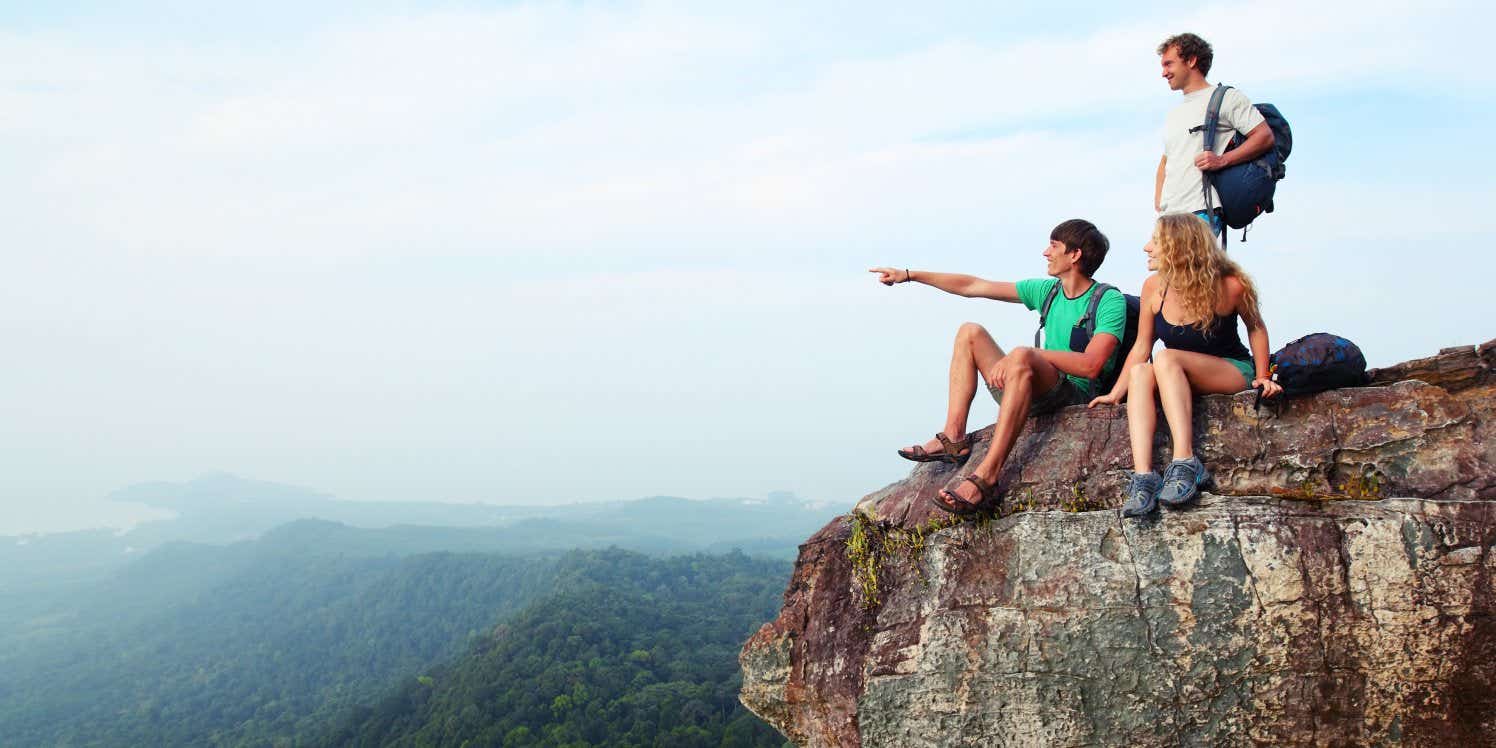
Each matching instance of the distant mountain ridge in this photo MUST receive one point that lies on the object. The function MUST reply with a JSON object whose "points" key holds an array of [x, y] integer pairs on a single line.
{"points": [[233, 508], [221, 508]]}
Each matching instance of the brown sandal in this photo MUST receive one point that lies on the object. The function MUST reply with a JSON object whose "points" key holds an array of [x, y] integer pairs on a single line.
{"points": [[949, 501], [953, 452]]}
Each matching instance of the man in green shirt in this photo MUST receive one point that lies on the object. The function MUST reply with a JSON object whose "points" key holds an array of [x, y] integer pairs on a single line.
{"points": [[1024, 380]]}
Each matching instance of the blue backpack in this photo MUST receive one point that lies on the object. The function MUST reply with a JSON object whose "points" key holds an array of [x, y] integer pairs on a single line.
{"points": [[1317, 362], [1085, 329], [1246, 189]]}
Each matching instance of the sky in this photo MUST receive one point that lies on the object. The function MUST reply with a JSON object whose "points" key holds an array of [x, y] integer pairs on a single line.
{"points": [[572, 251]]}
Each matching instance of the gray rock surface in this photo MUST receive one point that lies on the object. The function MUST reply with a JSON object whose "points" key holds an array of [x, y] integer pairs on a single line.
{"points": [[1334, 617]]}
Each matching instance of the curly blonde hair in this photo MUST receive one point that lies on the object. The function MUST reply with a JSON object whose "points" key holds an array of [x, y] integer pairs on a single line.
{"points": [[1192, 265]]}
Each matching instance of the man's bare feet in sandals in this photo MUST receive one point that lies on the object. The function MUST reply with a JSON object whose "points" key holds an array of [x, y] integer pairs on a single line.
{"points": [[939, 449], [973, 494]]}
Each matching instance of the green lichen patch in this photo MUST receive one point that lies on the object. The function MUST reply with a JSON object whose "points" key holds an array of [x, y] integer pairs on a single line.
{"points": [[871, 546], [1078, 501], [1366, 485]]}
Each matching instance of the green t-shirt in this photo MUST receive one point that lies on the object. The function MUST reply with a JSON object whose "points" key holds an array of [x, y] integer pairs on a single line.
{"points": [[1111, 318]]}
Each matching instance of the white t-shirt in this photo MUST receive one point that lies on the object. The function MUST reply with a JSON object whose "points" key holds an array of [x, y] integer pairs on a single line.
{"points": [[1184, 189]]}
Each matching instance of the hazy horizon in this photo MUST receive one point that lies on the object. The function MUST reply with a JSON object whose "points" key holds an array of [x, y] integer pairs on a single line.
{"points": [[117, 511], [546, 253]]}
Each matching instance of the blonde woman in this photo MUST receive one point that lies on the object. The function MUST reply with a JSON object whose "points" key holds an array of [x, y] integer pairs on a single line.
{"points": [[1191, 303]]}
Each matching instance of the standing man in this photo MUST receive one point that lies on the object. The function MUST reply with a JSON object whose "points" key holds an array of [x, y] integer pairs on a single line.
{"points": [[1024, 380], [1180, 186]]}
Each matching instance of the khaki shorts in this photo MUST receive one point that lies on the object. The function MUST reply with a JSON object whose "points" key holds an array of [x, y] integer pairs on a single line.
{"points": [[1063, 393]]}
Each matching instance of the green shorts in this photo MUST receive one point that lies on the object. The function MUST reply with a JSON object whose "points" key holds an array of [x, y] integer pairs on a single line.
{"points": [[1247, 368], [1063, 393]]}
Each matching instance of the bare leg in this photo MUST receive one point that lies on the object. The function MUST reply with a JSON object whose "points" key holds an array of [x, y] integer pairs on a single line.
{"points": [[975, 351], [1026, 372], [1181, 375], [1142, 419]]}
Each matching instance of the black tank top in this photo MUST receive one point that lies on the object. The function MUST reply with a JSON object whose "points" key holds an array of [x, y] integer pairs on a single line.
{"points": [[1219, 338]]}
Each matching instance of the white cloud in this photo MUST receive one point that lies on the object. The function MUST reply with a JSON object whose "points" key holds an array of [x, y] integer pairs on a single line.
{"points": [[485, 132]]}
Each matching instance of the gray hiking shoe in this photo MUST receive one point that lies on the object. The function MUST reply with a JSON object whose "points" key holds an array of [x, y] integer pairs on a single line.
{"points": [[1182, 481], [1142, 494]]}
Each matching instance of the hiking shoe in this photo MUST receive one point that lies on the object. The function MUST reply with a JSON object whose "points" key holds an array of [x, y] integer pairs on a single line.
{"points": [[1182, 481], [1142, 494]]}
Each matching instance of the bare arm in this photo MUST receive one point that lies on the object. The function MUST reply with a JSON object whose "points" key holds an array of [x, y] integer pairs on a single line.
{"points": [[1086, 364], [1158, 185], [1258, 141], [1140, 349], [1257, 340], [969, 286]]}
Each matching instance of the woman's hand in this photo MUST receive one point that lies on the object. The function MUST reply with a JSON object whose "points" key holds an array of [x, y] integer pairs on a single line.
{"points": [[890, 276], [1270, 389], [1110, 398]]}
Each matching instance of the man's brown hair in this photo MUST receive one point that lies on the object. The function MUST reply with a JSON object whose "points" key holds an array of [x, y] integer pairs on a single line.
{"points": [[1078, 233], [1190, 46]]}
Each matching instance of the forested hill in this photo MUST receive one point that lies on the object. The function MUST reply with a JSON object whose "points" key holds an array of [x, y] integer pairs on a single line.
{"points": [[237, 646], [629, 651], [311, 636]]}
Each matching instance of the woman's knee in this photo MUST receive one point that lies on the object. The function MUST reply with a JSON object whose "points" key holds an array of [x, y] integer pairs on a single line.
{"points": [[1166, 361], [1142, 375]]}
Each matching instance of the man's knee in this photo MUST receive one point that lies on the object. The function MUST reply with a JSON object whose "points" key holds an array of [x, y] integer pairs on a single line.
{"points": [[1020, 364], [969, 331], [1024, 357]]}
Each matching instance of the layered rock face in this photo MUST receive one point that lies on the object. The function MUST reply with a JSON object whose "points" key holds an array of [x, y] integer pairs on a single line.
{"points": [[1335, 589]]}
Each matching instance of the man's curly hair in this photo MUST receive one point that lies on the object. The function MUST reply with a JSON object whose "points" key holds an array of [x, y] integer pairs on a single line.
{"points": [[1190, 46]]}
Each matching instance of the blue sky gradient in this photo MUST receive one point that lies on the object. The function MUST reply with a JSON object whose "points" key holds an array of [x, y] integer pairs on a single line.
{"points": [[551, 252]]}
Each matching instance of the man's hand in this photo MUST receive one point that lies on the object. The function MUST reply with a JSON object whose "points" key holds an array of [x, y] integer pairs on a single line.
{"points": [[1208, 161], [890, 276], [999, 371]]}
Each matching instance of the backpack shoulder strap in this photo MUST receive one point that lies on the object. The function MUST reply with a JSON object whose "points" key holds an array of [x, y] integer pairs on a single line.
{"points": [[1090, 319], [1213, 115], [1098, 290], [1044, 310], [1212, 121]]}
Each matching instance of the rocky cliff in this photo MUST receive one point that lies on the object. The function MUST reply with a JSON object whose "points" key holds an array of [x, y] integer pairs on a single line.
{"points": [[1334, 589]]}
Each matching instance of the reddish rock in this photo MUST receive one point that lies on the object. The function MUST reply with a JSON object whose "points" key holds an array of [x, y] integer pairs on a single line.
{"points": [[1276, 612], [1397, 438]]}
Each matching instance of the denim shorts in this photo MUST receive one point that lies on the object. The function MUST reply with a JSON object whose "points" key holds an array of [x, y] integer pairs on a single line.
{"points": [[1063, 393]]}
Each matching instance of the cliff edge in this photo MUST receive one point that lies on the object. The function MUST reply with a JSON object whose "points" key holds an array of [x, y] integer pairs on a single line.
{"points": [[1334, 588]]}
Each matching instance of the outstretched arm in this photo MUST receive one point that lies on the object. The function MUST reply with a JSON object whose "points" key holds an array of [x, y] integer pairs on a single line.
{"points": [[969, 286]]}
